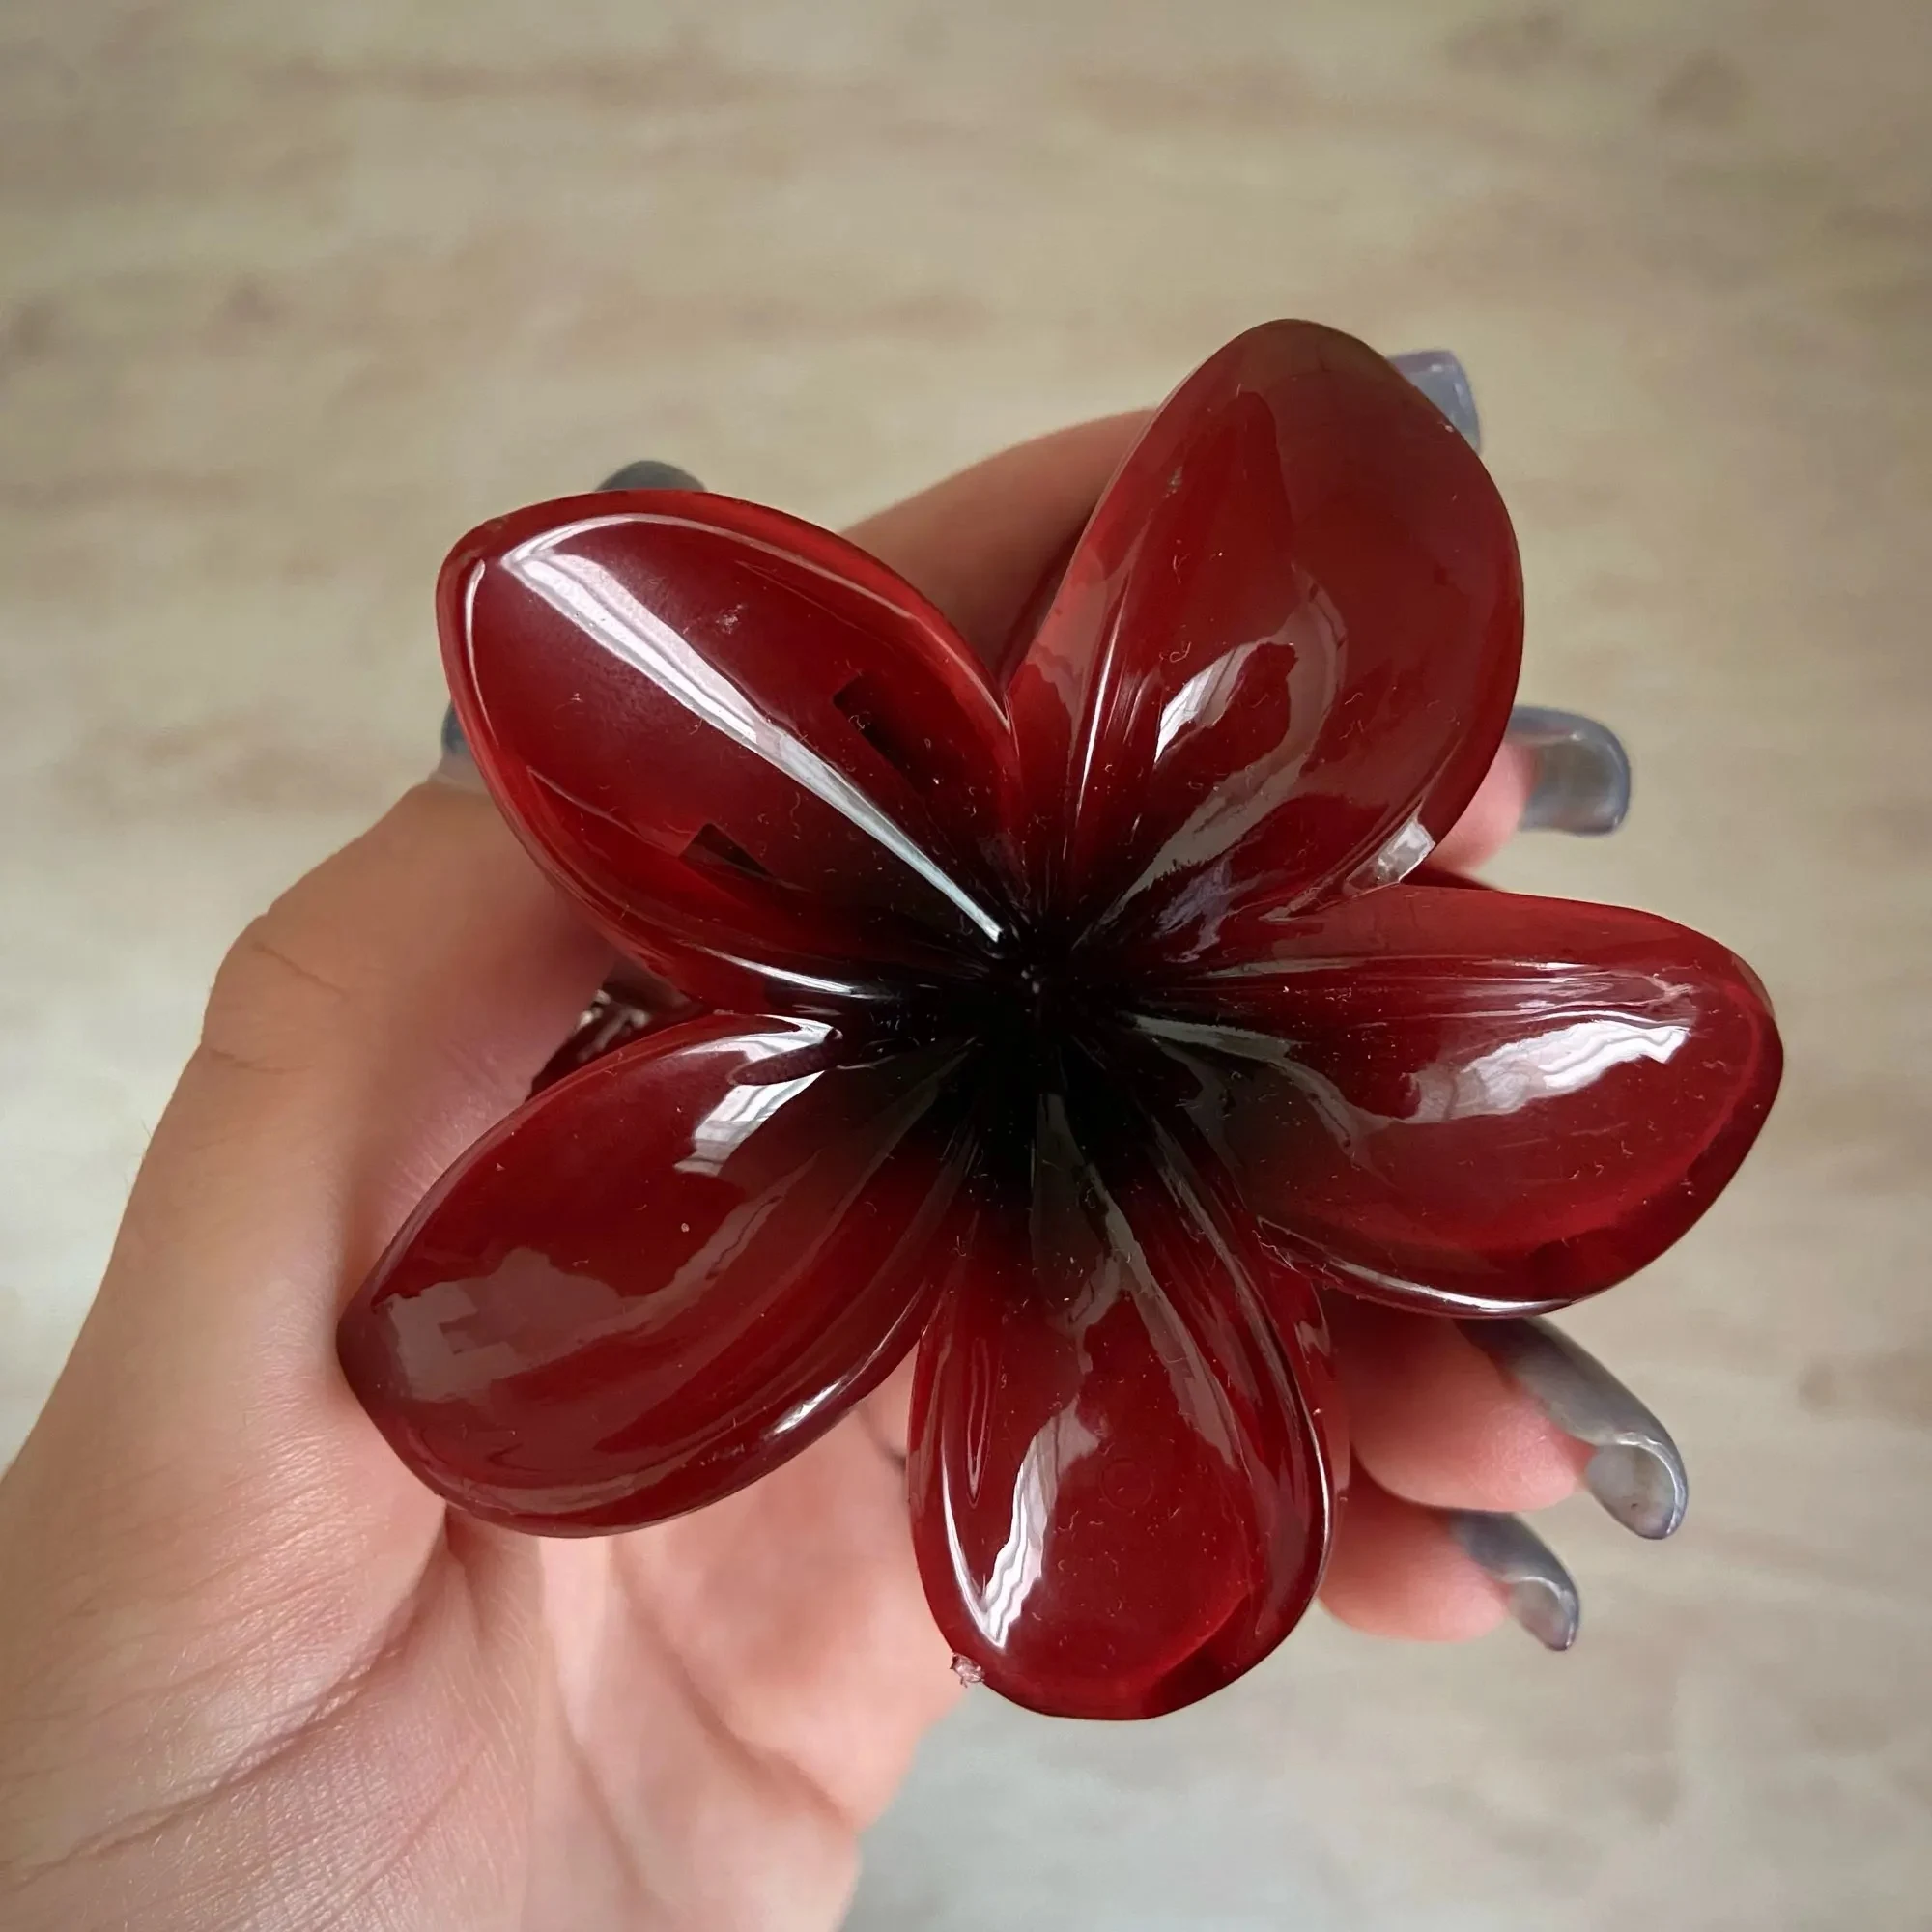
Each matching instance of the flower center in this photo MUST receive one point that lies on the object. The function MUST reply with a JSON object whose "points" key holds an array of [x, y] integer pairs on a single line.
{"points": [[1032, 1008], [1034, 998]]}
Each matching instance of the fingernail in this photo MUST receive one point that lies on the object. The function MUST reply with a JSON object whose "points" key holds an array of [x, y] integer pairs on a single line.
{"points": [[1444, 379], [456, 766], [1581, 774], [650, 476], [1636, 1473], [1541, 1594]]}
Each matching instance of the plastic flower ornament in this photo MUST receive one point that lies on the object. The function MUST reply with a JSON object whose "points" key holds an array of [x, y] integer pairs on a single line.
{"points": [[1079, 1020]]}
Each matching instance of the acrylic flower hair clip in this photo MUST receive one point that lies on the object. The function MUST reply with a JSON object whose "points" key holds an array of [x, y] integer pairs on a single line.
{"points": [[1082, 1022]]}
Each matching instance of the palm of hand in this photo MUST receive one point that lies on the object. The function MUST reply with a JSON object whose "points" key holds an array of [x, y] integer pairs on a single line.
{"points": [[681, 1727], [781, 1647]]}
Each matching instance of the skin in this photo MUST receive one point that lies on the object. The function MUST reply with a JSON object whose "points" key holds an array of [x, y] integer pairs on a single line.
{"points": [[252, 1674]]}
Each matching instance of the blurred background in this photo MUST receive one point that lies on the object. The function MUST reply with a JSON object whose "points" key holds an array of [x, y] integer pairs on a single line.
{"points": [[290, 296]]}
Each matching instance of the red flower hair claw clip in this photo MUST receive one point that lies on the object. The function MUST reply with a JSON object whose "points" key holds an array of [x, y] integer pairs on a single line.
{"points": [[1084, 1026]]}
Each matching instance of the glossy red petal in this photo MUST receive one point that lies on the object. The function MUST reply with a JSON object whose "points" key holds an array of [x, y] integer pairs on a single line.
{"points": [[664, 1275], [620, 1012], [768, 768], [1120, 1498], [1287, 640], [1475, 1102]]}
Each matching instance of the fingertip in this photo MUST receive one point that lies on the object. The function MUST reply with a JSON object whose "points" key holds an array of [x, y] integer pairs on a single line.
{"points": [[977, 543], [1437, 1421], [1398, 1572], [1492, 817]]}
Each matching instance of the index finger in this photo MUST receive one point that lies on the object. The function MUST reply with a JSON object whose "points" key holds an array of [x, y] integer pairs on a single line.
{"points": [[979, 543]]}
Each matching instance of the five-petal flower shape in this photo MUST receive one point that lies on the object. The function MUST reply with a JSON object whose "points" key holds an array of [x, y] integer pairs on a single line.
{"points": [[1077, 1019]]}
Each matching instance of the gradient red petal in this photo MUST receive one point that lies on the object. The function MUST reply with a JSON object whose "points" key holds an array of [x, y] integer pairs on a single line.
{"points": [[1121, 1484], [766, 766], [1476, 1102], [1287, 638], [665, 1274]]}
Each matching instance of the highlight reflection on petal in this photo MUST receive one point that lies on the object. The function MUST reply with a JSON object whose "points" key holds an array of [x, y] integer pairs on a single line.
{"points": [[602, 605], [765, 764], [664, 1275]]}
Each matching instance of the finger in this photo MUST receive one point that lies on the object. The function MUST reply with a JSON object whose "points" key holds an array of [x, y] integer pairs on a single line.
{"points": [[1555, 771], [1443, 1576], [360, 1033], [978, 543], [1489, 820], [1633, 1469], [1436, 1420], [1397, 1571]]}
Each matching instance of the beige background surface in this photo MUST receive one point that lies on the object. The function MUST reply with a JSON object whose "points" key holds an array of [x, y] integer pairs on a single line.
{"points": [[289, 295]]}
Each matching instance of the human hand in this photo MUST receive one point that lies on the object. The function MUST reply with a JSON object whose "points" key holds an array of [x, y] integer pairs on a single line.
{"points": [[251, 1673]]}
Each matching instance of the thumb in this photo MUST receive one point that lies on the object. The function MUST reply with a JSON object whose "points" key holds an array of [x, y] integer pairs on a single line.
{"points": [[360, 1033]]}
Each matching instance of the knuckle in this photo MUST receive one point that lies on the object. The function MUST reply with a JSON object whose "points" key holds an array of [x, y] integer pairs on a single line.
{"points": [[272, 999]]}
